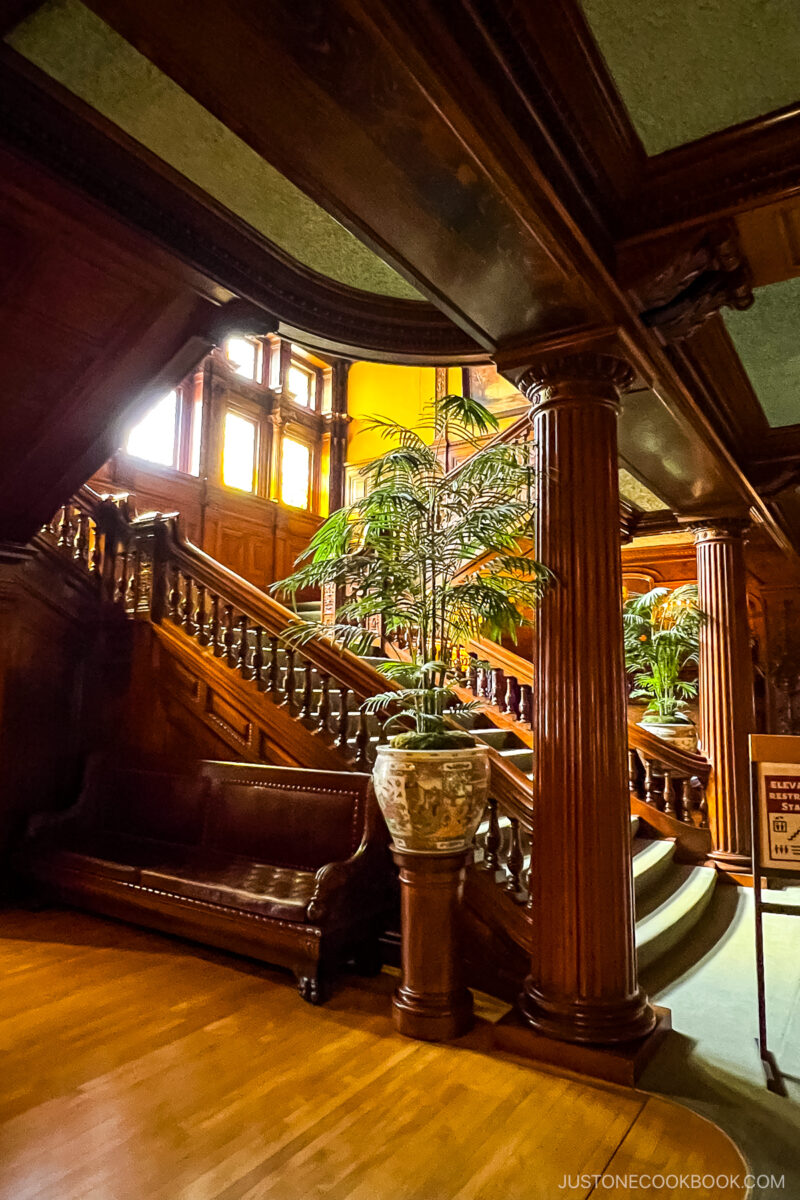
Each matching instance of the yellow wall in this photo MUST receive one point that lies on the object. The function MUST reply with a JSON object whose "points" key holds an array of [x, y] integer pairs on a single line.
{"points": [[381, 390]]}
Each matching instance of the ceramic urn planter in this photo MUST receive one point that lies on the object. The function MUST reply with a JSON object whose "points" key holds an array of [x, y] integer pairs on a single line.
{"points": [[683, 735], [432, 800]]}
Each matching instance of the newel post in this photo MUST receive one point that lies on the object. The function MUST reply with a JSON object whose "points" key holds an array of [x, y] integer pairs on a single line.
{"points": [[583, 984], [726, 686]]}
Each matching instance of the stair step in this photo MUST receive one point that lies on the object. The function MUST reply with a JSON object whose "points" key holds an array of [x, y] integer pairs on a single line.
{"points": [[652, 859], [522, 758], [497, 738], [634, 826], [662, 929]]}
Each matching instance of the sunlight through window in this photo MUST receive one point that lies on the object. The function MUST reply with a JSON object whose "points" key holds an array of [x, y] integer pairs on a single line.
{"points": [[295, 473], [154, 437], [300, 384], [239, 453], [243, 355]]}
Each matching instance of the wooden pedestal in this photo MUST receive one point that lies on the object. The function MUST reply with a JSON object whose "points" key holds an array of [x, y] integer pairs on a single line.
{"points": [[432, 1002]]}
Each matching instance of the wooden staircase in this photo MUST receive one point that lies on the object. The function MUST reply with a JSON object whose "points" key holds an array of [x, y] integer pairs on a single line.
{"points": [[216, 662]]}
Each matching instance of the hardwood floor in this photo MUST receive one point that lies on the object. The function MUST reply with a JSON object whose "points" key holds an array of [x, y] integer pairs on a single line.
{"points": [[139, 1068]]}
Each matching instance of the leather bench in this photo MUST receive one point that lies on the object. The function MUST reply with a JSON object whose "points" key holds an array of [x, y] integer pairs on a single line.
{"points": [[285, 865]]}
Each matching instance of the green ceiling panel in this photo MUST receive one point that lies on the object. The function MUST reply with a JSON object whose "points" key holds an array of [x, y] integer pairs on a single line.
{"points": [[767, 337], [69, 43], [686, 68]]}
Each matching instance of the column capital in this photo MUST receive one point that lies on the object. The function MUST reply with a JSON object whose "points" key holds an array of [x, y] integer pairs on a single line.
{"points": [[719, 529], [581, 376]]}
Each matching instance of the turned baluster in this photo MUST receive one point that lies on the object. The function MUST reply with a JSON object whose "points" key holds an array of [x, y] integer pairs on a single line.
{"points": [[515, 862], [702, 807], [493, 838], [229, 637], [669, 798], [290, 680], [472, 674], [344, 718], [274, 666], [324, 710], [135, 581], [687, 800], [175, 594], [483, 682], [512, 700], [215, 630], [202, 615], [498, 693], [362, 742], [632, 771], [258, 654], [82, 540], [121, 584], [96, 560], [187, 608], [526, 704], [66, 532], [307, 711], [649, 794], [244, 649], [383, 736]]}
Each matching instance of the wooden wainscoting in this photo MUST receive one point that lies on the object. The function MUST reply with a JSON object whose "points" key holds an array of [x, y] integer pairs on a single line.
{"points": [[257, 538]]}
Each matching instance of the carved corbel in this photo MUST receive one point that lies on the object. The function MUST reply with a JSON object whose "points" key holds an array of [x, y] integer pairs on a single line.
{"points": [[679, 284]]}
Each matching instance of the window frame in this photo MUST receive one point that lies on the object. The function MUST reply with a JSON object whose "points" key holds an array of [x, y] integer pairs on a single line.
{"points": [[187, 412], [253, 415]]}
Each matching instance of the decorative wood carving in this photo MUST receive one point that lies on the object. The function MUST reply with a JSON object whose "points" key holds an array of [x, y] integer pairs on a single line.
{"points": [[583, 985], [678, 286], [726, 686]]}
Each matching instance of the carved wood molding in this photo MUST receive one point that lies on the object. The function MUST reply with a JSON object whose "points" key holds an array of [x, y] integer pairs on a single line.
{"points": [[582, 376]]}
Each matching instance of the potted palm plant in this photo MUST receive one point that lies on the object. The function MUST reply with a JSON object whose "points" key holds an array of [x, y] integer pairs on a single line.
{"points": [[662, 642], [397, 555]]}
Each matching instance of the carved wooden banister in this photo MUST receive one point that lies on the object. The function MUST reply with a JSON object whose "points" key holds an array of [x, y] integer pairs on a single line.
{"points": [[668, 780]]}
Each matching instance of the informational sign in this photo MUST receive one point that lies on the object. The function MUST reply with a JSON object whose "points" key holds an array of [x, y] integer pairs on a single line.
{"points": [[777, 786], [775, 812]]}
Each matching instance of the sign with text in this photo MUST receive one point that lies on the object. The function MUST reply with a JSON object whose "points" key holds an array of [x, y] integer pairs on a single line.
{"points": [[777, 777]]}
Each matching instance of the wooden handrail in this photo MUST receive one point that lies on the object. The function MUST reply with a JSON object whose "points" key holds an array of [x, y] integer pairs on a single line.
{"points": [[682, 762]]}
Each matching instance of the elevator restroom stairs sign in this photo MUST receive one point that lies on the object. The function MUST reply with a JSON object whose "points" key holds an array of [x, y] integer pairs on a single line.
{"points": [[780, 822]]}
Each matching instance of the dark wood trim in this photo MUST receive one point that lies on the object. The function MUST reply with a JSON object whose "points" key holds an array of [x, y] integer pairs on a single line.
{"points": [[747, 165], [44, 121]]}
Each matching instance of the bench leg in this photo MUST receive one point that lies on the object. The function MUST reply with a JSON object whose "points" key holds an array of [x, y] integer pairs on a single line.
{"points": [[314, 989]]}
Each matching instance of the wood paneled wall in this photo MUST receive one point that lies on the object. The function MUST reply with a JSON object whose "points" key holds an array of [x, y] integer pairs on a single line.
{"points": [[49, 627]]}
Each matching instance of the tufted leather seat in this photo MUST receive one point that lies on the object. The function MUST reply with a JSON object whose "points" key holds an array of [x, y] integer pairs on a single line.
{"points": [[286, 865], [281, 892]]}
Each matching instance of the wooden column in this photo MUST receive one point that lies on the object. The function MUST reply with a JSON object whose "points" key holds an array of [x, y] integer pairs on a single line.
{"points": [[432, 1001], [726, 686], [583, 983], [338, 434]]}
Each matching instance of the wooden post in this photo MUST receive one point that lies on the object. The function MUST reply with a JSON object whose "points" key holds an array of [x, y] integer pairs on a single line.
{"points": [[431, 1002], [338, 433], [726, 686], [583, 983]]}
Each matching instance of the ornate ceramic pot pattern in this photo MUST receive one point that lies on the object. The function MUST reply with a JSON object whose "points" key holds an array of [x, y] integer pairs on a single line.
{"points": [[682, 736], [433, 800]]}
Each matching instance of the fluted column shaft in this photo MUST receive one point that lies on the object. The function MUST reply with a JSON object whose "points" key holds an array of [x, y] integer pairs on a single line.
{"points": [[726, 686], [583, 983]]}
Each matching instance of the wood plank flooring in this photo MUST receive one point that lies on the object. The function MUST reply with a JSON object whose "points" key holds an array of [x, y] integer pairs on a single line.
{"points": [[135, 1067]]}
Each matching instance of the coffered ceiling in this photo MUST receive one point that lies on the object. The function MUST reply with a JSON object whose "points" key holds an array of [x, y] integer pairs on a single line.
{"points": [[689, 68], [767, 338], [77, 49]]}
